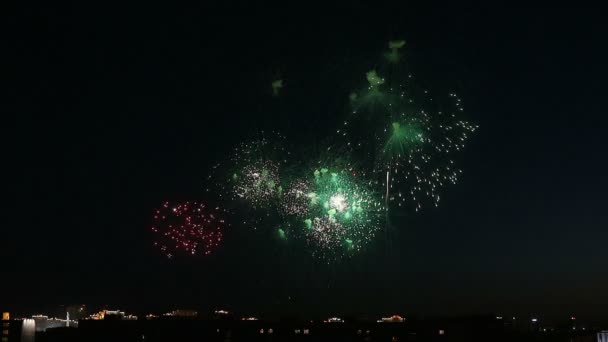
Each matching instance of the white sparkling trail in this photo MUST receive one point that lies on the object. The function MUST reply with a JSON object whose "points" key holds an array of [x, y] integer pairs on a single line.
{"points": [[387, 178]]}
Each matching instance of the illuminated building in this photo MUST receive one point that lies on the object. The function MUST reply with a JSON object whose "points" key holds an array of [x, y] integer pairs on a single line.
{"points": [[602, 336], [334, 320], [222, 315], [392, 319], [44, 322], [111, 315], [249, 319], [97, 316], [182, 313], [116, 313], [5, 326]]}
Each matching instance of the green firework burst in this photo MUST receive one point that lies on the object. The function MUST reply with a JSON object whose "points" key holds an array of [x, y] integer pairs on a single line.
{"points": [[338, 213]]}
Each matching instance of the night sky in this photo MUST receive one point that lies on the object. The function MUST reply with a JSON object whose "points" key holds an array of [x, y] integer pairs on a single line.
{"points": [[113, 110]]}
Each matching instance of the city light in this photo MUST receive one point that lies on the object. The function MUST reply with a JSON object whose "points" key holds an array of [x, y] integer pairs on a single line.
{"points": [[334, 320], [182, 313], [392, 319], [28, 330], [41, 323]]}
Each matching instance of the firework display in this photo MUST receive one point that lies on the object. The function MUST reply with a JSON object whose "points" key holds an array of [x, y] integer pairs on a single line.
{"points": [[415, 157], [402, 139], [296, 199], [189, 228], [406, 137], [257, 183], [251, 175], [338, 213]]}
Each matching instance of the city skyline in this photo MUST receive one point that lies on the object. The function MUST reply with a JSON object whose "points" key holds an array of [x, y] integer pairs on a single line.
{"points": [[84, 312]]}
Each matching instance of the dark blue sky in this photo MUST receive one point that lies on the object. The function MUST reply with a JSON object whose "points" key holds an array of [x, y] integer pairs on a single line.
{"points": [[111, 111]]}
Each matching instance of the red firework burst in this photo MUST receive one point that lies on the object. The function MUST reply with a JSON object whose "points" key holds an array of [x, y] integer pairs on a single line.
{"points": [[190, 228]]}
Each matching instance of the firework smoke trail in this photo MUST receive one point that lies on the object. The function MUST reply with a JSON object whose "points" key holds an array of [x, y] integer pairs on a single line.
{"points": [[387, 187]]}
